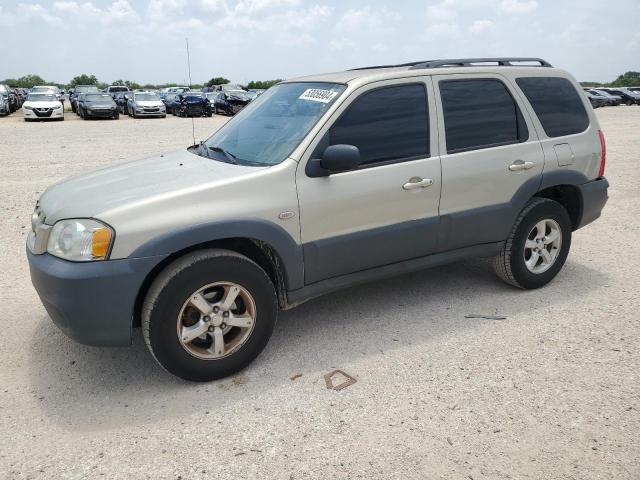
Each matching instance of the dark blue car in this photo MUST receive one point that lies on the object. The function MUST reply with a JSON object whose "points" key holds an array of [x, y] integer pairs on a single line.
{"points": [[193, 104]]}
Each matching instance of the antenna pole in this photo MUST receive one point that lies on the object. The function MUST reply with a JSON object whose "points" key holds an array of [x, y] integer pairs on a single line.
{"points": [[193, 123]]}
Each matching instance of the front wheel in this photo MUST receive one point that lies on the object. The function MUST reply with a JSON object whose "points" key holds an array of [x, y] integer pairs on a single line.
{"points": [[209, 314], [537, 246]]}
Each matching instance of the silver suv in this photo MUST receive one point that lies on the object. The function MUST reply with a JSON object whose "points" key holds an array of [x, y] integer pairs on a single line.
{"points": [[321, 183]]}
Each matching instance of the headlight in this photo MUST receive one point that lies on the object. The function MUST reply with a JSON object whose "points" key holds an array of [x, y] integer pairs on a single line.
{"points": [[57, 107], [80, 240], [27, 107]]}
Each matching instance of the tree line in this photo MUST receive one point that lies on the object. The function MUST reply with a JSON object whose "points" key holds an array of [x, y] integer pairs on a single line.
{"points": [[628, 79], [29, 81]]}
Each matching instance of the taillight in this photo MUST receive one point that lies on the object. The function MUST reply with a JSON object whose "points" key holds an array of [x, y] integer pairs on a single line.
{"points": [[603, 153]]}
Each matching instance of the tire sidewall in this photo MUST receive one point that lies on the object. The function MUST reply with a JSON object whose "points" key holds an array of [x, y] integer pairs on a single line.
{"points": [[545, 210], [163, 337]]}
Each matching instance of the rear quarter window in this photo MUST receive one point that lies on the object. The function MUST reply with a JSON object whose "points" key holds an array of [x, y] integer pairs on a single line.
{"points": [[557, 104]]}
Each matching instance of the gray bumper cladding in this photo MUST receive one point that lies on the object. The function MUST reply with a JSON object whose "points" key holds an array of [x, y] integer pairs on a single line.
{"points": [[594, 197], [93, 302]]}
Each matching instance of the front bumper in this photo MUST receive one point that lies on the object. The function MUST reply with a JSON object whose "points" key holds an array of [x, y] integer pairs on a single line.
{"points": [[92, 302], [58, 113], [594, 196], [101, 112], [151, 113]]}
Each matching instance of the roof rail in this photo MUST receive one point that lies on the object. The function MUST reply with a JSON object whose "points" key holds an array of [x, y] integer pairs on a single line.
{"points": [[473, 62]]}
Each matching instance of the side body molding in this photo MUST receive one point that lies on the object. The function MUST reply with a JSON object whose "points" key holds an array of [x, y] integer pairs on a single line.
{"points": [[288, 251]]}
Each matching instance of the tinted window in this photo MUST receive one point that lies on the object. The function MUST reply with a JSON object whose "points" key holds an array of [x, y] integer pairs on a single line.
{"points": [[556, 103], [389, 123], [480, 113]]}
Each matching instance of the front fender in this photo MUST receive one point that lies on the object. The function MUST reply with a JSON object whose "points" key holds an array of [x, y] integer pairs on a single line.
{"points": [[277, 238]]}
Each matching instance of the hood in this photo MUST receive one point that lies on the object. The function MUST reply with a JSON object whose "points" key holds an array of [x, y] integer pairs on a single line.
{"points": [[42, 104], [149, 103], [194, 100], [133, 183], [100, 104]]}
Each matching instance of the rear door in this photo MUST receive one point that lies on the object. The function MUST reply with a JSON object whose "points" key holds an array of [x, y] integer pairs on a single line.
{"points": [[491, 158]]}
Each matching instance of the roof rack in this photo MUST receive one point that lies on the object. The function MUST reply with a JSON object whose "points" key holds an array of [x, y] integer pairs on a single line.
{"points": [[463, 62], [474, 62]]}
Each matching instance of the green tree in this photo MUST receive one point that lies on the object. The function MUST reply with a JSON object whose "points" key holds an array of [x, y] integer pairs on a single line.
{"points": [[629, 79], [83, 79], [263, 84], [217, 81], [592, 84], [27, 81]]}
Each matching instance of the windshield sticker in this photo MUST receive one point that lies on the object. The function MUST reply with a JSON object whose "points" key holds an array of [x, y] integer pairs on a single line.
{"points": [[318, 95]]}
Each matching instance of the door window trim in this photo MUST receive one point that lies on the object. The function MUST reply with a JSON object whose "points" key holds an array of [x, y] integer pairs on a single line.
{"points": [[491, 145], [424, 86]]}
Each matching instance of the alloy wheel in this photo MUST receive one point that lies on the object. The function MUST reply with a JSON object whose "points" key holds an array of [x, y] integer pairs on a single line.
{"points": [[542, 246], [216, 320]]}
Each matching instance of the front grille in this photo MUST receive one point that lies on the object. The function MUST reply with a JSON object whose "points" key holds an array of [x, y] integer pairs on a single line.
{"points": [[151, 109], [102, 112], [43, 112]]}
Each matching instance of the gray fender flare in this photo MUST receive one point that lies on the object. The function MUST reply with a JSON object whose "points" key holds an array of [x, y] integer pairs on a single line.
{"points": [[288, 251]]}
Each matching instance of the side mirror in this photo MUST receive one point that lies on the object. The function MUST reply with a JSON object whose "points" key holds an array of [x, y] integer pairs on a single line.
{"points": [[335, 159]]}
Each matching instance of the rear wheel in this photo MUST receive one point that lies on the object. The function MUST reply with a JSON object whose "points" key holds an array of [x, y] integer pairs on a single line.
{"points": [[537, 246], [209, 314]]}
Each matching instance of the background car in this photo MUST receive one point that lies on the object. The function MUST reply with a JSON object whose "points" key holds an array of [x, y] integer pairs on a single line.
{"points": [[121, 99], [230, 101], [73, 98], [629, 97], [146, 104], [10, 97], [113, 89], [193, 104], [4, 106], [612, 100], [97, 105], [595, 100], [171, 102], [42, 106]]}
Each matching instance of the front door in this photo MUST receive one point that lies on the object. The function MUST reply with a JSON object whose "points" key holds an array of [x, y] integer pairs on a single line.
{"points": [[385, 211]]}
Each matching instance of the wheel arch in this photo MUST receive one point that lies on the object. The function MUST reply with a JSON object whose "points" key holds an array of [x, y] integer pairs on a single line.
{"points": [[270, 246], [563, 186]]}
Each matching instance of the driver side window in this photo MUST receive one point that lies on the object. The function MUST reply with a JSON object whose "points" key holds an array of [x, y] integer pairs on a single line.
{"points": [[388, 124]]}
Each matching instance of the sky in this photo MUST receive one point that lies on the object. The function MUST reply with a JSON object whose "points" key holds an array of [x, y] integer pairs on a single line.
{"points": [[242, 40]]}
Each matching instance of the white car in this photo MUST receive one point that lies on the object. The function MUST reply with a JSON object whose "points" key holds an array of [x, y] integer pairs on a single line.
{"points": [[42, 106]]}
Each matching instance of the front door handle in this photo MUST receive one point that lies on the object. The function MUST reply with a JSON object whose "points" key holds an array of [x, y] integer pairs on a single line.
{"points": [[520, 165], [417, 182]]}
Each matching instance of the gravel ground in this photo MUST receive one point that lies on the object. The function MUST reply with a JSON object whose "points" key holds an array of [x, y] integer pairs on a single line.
{"points": [[550, 392]]}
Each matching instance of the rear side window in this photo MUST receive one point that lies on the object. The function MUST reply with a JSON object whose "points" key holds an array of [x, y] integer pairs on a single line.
{"points": [[389, 123], [556, 103], [480, 113]]}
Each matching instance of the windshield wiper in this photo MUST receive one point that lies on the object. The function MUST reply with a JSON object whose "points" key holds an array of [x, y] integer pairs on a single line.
{"points": [[230, 156]]}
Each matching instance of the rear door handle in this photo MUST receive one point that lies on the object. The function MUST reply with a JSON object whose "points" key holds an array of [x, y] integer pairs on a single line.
{"points": [[520, 165], [417, 182]]}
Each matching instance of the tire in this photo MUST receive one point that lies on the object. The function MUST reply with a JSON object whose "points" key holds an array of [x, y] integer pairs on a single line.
{"points": [[628, 103], [116, 115], [168, 300], [511, 264]]}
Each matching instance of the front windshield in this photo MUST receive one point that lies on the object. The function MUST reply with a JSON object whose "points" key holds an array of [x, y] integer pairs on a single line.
{"points": [[86, 89], [41, 97], [229, 86], [147, 97], [42, 89], [272, 126], [212, 95], [103, 97]]}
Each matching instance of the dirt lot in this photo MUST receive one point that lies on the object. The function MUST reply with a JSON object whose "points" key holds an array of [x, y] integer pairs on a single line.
{"points": [[550, 392]]}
